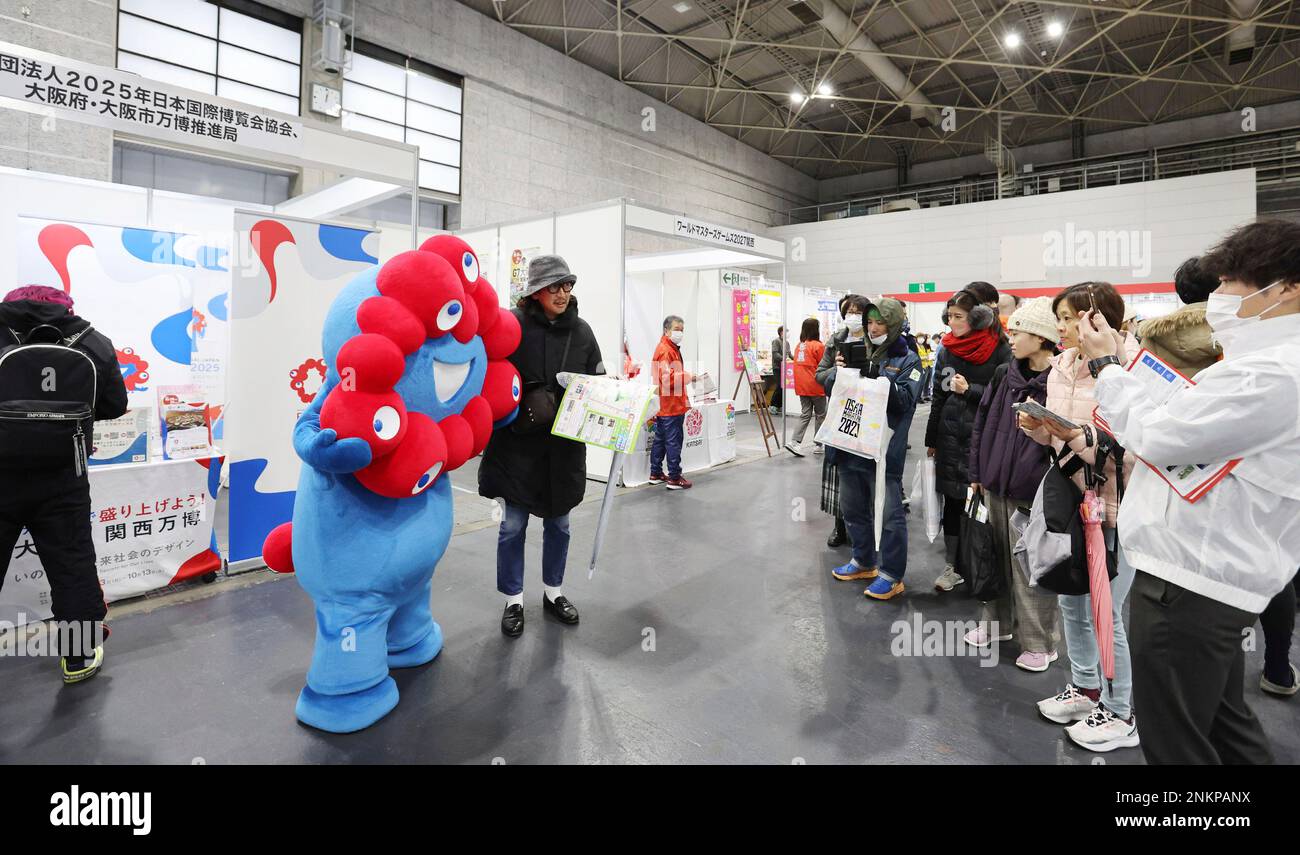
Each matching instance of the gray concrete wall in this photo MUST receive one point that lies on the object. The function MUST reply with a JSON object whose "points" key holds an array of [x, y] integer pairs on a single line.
{"points": [[542, 131], [86, 30], [1217, 126]]}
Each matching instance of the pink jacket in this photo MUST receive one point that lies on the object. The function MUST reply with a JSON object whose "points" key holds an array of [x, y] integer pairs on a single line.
{"points": [[1070, 394]]}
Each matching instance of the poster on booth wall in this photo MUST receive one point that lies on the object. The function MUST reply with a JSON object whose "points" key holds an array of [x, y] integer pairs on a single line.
{"points": [[158, 295], [766, 317], [603, 411], [121, 440], [740, 332], [152, 526], [289, 273], [519, 259]]}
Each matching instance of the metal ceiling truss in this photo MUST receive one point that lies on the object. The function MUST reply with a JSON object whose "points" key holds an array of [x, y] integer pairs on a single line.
{"points": [[735, 64]]}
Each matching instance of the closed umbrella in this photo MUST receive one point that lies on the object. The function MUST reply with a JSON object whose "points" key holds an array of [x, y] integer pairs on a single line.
{"points": [[1093, 511]]}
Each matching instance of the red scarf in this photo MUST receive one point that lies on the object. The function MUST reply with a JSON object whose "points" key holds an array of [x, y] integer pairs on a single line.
{"points": [[975, 347]]}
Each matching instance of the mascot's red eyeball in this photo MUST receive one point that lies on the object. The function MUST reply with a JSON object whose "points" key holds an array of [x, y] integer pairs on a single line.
{"points": [[458, 254], [503, 339], [502, 388], [414, 466], [428, 286]]}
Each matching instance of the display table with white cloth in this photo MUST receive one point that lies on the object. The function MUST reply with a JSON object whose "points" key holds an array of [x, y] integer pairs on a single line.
{"points": [[708, 439], [152, 526]]}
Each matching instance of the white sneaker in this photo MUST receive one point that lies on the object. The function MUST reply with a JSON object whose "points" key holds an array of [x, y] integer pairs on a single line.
{"points": [[793, 449], [948, 580], [1070, 705], [1102, 730], [981, 637]]}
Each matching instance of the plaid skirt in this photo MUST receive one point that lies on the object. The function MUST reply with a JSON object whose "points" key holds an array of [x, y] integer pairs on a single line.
{"points": [[830, 488]]}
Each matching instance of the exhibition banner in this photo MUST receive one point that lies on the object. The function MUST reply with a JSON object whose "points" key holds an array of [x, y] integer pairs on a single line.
{"points": [[151, 524], [740, 329], [278, 305], [112, 98], [159, 295]]}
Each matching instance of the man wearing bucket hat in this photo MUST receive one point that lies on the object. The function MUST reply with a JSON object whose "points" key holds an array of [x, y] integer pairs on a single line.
{"points": [[531, 471]]}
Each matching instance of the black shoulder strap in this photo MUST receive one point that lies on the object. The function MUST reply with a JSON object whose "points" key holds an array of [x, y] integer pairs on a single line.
{"points": [[1072, 462], [999, 374]]}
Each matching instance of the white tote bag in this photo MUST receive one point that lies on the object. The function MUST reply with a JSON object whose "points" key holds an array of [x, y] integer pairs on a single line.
{"points": [[855, 420]]}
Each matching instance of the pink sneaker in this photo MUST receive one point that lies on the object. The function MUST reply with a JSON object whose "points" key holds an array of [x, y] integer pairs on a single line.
{"points": [[1033, 661], [981, 637]]}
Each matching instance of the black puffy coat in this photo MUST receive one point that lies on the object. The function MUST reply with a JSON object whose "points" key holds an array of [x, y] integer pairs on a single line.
{"points": [[542, 473], [952, 416]]}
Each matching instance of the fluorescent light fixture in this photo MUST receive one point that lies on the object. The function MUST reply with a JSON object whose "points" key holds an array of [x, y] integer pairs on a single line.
{"points": [[332, 200], [682, 7], [695, 259], [826, 88], [796, 97], [1011, 40], [1055, 29]]}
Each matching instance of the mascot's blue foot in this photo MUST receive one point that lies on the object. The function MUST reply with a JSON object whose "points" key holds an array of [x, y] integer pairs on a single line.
{"points": [[420, 653], [347, 713]]}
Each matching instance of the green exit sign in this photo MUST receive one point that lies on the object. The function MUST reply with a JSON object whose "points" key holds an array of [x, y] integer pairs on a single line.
{"points": [[920, 287]]}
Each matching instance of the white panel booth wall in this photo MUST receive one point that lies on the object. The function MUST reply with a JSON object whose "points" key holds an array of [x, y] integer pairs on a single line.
{"points": [[1132, 235]]}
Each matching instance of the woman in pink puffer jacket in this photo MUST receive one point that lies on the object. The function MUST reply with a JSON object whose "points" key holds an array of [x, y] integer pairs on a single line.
{"points": [[1098, 720]]}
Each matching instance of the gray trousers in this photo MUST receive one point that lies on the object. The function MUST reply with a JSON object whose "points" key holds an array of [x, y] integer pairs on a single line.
{"points": [[812, 404], [1188, 670], [1031, 613]]}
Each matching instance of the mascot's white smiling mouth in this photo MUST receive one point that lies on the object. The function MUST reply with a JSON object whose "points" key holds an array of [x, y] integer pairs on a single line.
{"points": [[449, 377]]}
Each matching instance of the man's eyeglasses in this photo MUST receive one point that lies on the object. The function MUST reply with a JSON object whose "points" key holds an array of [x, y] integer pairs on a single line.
{"points": [[560, 286]]}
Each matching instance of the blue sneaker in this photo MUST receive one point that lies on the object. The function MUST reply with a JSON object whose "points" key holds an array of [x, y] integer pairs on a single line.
{"points": [[851, 573], [884, 589]]}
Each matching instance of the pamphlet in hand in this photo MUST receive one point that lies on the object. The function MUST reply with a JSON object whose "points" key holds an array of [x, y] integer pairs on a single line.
{"points": [[603, 411], [1161, 382], [1036, 410], [703, 385]]}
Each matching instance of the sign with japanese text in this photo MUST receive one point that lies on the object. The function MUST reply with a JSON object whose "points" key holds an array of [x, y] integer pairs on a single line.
{"points": [[709, 233], [151, 525], [112, 98]]}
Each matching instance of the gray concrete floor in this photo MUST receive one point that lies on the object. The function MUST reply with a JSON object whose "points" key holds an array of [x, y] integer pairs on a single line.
{"points": [[757, 656]]}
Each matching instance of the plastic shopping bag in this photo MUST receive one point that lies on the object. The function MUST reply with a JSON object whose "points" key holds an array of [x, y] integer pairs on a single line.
{"points": [[926, 493]]}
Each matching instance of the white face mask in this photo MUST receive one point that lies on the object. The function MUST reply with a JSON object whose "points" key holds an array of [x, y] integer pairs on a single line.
{"points": [[854, 323], [676, 336], [1221, 314], [878, 339]]}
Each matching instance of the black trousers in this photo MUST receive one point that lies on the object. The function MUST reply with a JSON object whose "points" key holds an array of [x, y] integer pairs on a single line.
{"points": [[1278, 622], [54, 505], [1188, 676]]}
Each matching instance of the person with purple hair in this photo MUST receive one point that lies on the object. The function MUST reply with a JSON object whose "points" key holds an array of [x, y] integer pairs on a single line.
{"points": [[52, 501]]}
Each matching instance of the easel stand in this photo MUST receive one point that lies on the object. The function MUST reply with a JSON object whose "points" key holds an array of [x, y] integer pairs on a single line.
{"points": [[758, 403]]}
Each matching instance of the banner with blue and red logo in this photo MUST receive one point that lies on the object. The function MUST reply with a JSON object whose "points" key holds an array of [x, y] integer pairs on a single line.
{"points": [[289, 274]]}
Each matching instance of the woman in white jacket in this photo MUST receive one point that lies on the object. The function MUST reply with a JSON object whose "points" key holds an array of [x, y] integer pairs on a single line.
{"points": [[1206, 569]]}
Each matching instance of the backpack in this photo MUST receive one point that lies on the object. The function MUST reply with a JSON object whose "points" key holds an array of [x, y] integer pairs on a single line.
{"points": [[47, 400]]}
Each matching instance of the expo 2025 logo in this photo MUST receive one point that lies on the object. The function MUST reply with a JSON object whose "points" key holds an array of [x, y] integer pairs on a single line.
{"points": [[135, 371], [307, 379], [694, 422]]}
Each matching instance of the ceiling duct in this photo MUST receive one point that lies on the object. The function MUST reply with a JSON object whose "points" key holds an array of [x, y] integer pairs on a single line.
{"points": [[1240, 44], [831, 18]]}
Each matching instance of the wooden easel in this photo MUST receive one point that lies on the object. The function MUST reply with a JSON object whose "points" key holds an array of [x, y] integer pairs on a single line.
{"points": [[758, 404]]}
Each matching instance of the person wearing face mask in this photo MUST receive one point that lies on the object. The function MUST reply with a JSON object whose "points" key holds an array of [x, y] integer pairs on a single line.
{"points": [[1206, 569], [671, 377], [971, 353], [926, 353], [889, 357], [812, 397]]}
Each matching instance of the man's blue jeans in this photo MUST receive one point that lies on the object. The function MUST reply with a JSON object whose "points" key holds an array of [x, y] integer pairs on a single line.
{"points": [[668, 438], [858, 502], [510, 550]]}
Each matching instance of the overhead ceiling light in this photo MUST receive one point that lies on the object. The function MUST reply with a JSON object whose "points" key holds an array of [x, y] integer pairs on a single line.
{"points": [[682, 7], [1055, 29], [826, 88], [1011, 40], [796, 97]]}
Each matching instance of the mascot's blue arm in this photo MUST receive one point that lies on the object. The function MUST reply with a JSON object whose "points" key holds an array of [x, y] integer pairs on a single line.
{"points": [[322, 449]]}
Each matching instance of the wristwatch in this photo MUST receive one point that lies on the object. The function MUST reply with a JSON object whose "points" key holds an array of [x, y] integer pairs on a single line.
{"points": [[1095, 365]]}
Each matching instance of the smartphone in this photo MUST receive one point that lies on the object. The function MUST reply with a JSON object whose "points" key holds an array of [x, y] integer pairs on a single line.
{"points": [[855, 354]]}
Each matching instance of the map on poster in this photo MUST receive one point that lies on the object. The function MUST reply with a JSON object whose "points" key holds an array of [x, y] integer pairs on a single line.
{"points": [[603, 412]]}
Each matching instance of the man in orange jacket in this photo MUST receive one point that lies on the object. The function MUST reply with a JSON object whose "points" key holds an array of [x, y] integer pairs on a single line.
{"points": [[671, 377]]}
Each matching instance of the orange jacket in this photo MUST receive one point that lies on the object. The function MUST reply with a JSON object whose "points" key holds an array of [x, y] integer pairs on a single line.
{"points": [[670, 375], [806, 358]]}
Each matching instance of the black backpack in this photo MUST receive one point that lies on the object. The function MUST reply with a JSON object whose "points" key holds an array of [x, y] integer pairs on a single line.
{"points": [[47, 400]]}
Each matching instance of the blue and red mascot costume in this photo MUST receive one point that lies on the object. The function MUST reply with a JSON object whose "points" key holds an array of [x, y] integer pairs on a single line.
{"points": [[417, 381]]}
